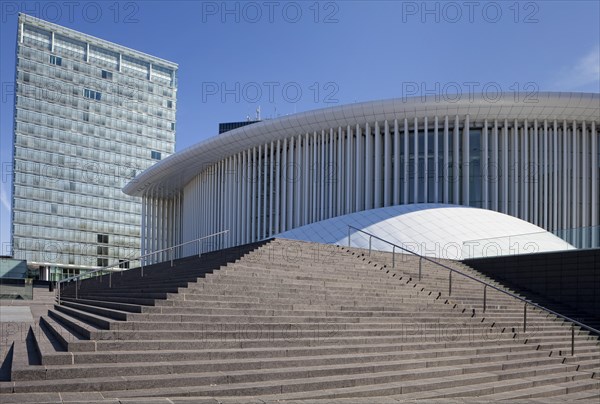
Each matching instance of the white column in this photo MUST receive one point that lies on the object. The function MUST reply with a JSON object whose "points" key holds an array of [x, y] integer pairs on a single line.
{"points": [[306, 181], [144, 227], [340, 173], [484, 166], [258, 179], [515, 169], [284, 187], [456, 161], [237, 198], [525, 172], [350, 192], [331, 173], [555, 172], [324, 170], [378, 167], [253, 196], [535, 206], [446, 178], [506, 169], [565, 178], [466, 160], [396, 163], [546, 173], [415, 161], [594, 191], [575, 176], [271, 188], [266, 187], [406, 161], [298, 197], [236, 202], [242, 201], [387, 163], [368, 195], [292, 179], [297, 210], [584, 181], [278, 192], [425, 161], [360, 164], [315, 178], [436, 160], [494, 170]]}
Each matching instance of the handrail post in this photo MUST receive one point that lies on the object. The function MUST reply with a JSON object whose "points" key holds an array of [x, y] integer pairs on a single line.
{"points": [[393, 256], [485, 286], [110, 279], [572, 339], [484, 297], [171, 254], [349, 235], [58, 292], [77, 288], [199, 248]]}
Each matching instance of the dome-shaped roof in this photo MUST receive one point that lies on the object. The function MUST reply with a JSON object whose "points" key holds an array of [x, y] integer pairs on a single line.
{"points": [[435, 230]]}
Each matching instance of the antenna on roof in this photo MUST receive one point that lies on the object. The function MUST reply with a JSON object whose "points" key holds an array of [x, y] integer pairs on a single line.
{"points": [[258, 113]]}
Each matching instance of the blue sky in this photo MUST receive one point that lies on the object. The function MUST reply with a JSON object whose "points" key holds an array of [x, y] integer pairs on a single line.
{"points": [[293, 56]]}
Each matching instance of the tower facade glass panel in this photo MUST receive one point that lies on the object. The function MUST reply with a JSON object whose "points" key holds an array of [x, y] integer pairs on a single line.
{"points": [[89, 116]]}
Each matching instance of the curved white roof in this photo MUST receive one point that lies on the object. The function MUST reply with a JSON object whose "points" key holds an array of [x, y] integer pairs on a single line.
{"points": [[174, 172], [435, 230]]}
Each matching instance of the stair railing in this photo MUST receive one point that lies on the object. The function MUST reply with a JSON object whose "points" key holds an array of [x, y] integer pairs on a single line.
{"points": [[485, 284], [120, 266]]}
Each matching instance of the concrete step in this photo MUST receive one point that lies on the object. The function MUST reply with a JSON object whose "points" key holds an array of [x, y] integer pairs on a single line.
{"points": [[292, 320]]}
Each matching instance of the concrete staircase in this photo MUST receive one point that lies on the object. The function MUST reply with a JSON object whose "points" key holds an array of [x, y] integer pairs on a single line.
{"points": [[290, 320]]}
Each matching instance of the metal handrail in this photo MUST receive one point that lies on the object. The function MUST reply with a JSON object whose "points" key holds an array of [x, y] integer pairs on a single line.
{"points": [[140, 258], [485, 285]]}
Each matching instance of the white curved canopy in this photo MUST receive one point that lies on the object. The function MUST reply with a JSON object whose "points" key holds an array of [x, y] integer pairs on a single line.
{"points": [[435, 230], [174, 172]]}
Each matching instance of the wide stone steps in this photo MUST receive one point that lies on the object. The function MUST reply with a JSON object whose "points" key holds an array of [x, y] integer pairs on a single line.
{"points": [[412, 381], [344, 363], [180, 362], [306, 378], [288, 320]]}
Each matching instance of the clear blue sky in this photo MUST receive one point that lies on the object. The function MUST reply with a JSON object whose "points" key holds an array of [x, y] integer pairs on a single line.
{"points": [[293, 56]]}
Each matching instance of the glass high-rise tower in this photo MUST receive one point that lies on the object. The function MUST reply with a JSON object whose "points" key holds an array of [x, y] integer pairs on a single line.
{"points": [[89, 116]]}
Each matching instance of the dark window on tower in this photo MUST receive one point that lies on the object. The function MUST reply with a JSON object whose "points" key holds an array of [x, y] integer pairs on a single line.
{"points": [[94, 95], [56, 60], [102, 262], [155, 155], [107, 75], [102, 250], [103, 238], [169, 104]]}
